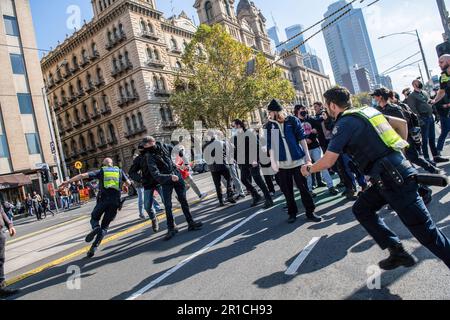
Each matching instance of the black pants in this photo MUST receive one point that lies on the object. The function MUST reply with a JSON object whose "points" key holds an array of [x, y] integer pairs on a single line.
{"points": [[269, 182], [412, 154], [2, 256], [180, 190], [247, 173], [45, 209], [106, 208], [286, 182], [217, 178]]}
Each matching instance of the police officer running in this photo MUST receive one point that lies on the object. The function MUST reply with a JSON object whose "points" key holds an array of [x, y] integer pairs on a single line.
{"points": [[375, 143], [108, 200]]}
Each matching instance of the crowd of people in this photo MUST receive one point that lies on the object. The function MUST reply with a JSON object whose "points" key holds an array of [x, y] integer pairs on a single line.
{"points": [[371, 149]]}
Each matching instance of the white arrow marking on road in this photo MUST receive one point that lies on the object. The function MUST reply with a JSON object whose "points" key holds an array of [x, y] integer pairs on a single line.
{"points": [[292, 270], [196, 254]]}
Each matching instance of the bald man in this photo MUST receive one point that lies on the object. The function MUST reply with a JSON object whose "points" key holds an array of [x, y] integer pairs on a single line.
{"points": [[444, 64], [111, 180]]}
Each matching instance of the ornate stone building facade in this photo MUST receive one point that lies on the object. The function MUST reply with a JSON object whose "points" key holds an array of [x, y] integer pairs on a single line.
{"points": [[109, 83]]}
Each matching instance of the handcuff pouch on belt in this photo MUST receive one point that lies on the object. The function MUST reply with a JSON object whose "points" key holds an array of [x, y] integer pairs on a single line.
{"points": [[388, 172]]}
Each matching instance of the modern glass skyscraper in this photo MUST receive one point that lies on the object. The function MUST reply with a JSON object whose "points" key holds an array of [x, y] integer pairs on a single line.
{"points": [[292, 31], [348, 44]]}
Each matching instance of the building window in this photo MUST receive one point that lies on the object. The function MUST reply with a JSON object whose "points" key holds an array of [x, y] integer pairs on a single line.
{"points": [[11, 26], [143, 26], [208, 10], [227, 7], [127, 121], [17, 63], [174, 44], [33, 143], [140, 120], [25, 104], [163, 114], [134, 121], [3, 147]]}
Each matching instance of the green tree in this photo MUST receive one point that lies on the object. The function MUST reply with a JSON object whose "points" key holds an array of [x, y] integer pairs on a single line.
{"points": [[361, 99], [214, 86]]}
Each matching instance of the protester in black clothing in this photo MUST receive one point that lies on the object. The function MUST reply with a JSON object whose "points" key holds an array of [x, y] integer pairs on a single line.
{"points": [[164, 171], [46, 207], [265, 163], [215, 154], [246, 154], [383, 96]]}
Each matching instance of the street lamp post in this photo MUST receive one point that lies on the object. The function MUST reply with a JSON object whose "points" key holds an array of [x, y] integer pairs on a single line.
{"points": [[414, 33]]}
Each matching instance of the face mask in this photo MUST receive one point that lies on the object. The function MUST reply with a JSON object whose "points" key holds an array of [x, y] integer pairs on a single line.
{"points": [[303, 113], [374, 103], [234, 131]]}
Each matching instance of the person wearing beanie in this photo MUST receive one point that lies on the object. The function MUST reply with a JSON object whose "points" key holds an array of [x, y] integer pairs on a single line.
{"points": [[288, 152]]}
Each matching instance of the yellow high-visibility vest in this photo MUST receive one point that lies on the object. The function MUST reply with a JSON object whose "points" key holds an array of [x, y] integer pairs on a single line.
{"points": [[381, 125], [111, 178]]}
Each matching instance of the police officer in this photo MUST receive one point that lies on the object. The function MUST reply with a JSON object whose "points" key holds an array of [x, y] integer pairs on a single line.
{"points": [[5, 222], [108, 200], [375, 143], [382, 98]]}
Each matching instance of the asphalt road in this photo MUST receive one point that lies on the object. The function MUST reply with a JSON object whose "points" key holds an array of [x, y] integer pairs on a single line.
{"points": [[244, 253]]}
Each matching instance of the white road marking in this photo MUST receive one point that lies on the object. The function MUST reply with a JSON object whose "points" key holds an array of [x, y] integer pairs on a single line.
{"points": [[292, 270], [196, 254]]}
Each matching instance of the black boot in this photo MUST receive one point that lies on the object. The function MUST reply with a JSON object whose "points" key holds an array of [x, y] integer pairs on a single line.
{"points": [[256, 200], [170, 234], [92, 234], [268, 204], [398, 257], [155, 225], [193, 226], [313, 217], [6, 292], [91, 252]]}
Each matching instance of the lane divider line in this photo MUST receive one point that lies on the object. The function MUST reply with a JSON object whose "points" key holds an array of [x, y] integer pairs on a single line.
{"points": [[85, 249], [56, 226], [292, 270], [152, 284]]}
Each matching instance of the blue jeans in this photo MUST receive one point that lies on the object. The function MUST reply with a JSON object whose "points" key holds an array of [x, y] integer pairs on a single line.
{"points": [[445, 130], [428, 136], [65, 202], [359, 177], [410, 208], [150, 204], [316, 154]]}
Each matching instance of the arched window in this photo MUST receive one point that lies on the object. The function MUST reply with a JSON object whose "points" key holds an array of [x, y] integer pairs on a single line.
{"points": [[173, 43], [74, 146], [94, 48], [169, 114], [91, 139], [127, 121], [156, 53], [110, 36], [149, 53], [68, 120], [150, 27], [156, 83], [101, 135], [94, 105], [112, 132], [261, 26], [163, 114], [88, 78], [71, 90], [60, 126], [55, 100], [84, 54], [143, 26], [100, 5], [85, 111], [134, 121], [76, 114], [227, 7], [80, 85], [140, 120], [63, 94], [162, 84], [82, 143], [121, 31], [127, 89], [121, 92], [209, 11]]}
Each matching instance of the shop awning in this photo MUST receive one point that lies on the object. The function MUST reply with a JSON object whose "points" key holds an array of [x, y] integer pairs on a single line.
{"points": [[14, 181]]}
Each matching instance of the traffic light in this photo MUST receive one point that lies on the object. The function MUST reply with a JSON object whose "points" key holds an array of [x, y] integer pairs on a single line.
{"points": [[55, 176], [45, 176]]}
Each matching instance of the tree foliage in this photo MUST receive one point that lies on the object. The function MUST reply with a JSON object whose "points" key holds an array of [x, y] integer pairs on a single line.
{"points": [[214, 86], [361, 99]]}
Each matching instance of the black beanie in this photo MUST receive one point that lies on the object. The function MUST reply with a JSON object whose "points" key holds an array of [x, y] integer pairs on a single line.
{"points": [[274, 105]]}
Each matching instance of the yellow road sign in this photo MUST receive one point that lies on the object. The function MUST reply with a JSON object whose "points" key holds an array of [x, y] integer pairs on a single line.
{"points": [[78, 165]]}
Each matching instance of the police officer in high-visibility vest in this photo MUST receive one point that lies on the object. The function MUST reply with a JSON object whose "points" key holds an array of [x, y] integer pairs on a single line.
{"points": [[375, 143], [111, 180]]}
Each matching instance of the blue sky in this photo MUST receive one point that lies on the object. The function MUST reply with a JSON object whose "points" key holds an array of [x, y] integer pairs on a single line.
{"points": [[51, 19]]}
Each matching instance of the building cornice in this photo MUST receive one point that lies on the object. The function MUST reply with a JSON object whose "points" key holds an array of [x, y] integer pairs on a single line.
{"points": [[90, 29]]}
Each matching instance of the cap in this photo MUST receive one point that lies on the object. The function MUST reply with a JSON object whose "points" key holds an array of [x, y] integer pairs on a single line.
{"points": [[274, 105]]}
